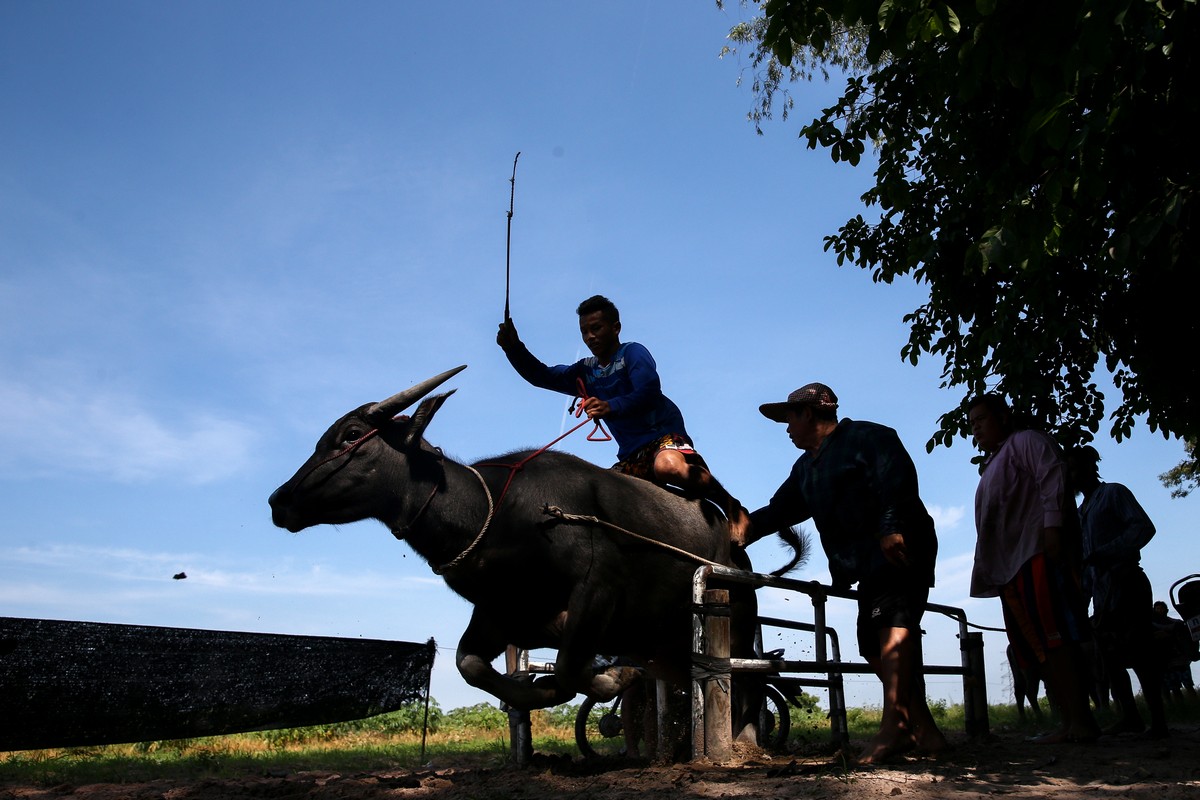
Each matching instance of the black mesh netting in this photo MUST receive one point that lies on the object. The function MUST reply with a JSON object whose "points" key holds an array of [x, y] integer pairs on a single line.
{"points": [[66, 684]]}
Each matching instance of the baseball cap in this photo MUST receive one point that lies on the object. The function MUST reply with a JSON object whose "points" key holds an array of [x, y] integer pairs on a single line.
{"points": [[817, 395]]}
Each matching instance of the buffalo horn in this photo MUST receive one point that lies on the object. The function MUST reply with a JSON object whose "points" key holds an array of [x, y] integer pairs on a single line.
{"points": [[395, 404]]}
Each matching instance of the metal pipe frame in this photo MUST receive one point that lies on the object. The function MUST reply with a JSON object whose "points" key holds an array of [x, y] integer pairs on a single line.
{"points": [[819, 593]]}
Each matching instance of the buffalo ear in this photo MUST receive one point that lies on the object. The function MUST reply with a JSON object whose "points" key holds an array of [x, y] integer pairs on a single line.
{"points": [[422, 417]]}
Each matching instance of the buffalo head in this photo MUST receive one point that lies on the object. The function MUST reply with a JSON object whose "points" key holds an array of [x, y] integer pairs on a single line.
{"points": [[355, 471]]}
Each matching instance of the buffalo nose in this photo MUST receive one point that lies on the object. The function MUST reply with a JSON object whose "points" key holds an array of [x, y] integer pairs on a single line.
{"points": [[278, 510]]}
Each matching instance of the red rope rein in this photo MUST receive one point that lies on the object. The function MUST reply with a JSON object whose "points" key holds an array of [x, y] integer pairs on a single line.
{"points": [[598, 434], [347, 450]]}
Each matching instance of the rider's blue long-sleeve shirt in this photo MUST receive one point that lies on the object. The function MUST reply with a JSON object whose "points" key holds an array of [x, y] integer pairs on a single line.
{"points": [[639, 411]]}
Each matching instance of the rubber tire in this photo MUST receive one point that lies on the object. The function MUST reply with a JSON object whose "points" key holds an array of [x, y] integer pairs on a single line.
{"points": [[775, 704], [582, 717]]}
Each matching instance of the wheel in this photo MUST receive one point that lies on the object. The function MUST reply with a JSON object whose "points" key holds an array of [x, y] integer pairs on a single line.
{"points": [[775, 720], [598, 731]]}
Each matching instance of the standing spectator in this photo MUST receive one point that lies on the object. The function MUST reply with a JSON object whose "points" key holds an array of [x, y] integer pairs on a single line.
{"points": [[1026, 554], [858, 484], [1114, 530], [1176, 650]]}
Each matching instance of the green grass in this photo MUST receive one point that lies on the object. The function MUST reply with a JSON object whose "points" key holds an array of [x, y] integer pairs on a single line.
{"points": [[476, 736]]}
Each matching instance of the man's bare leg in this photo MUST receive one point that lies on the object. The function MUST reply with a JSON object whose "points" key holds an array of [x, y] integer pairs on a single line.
{"points": [[926, 734], [893, 665], [906, 721], [1062, 683]]}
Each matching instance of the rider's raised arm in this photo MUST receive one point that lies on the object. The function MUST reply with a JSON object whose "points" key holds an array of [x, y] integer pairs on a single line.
{"points": [[560, 378]]}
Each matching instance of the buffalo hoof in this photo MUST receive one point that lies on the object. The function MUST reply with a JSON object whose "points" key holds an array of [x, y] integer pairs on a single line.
{"points": [[609, 683]]}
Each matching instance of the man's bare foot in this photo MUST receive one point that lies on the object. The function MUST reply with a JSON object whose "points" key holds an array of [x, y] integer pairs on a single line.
{"points": [[882, 749], [930, 742]]}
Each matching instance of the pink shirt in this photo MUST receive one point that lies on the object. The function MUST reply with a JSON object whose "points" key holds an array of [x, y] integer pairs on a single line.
{"points": [[1022, 491]]}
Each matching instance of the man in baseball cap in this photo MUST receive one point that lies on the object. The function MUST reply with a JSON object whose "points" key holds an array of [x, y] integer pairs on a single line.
{"points": [[858, 484]]}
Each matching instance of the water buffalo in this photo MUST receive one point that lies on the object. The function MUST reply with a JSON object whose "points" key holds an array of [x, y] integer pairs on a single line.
{"points": [[582, 587]]}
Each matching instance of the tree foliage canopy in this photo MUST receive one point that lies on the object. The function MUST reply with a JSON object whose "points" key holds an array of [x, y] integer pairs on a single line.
{"points": [[1036, 172]]}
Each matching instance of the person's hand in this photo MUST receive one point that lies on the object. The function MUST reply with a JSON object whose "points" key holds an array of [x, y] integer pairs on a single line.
{"points": [[506, 336], [894, 549], [596, 408], [741, 531]]}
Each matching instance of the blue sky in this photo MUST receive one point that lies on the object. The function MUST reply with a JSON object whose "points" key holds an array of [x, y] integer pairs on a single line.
{"points": [[222, 225]]}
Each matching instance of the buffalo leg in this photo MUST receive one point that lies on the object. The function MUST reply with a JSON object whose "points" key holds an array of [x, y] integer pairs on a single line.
{"points": [[478, 647], [587, 615]]}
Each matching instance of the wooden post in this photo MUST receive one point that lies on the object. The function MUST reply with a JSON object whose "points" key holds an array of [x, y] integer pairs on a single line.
{"points": [[662, 723], [520, 734], [718, 722], [975, 705]]}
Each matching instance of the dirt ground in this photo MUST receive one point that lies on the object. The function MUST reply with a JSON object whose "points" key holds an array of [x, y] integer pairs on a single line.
{"points": [[1124, 766]]}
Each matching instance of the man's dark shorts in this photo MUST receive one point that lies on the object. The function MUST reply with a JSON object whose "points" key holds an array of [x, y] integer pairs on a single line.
{"points": [[894, 598], [641, 463], [1125, 629]]}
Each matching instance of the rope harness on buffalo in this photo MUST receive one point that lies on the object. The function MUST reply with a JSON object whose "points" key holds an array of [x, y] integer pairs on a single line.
{"points": [[513, 469], [576, 408], [558, 513], [598, 434], [454, 562], [348, 450]]}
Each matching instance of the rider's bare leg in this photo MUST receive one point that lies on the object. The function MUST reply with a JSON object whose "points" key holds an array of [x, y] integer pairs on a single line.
{"points": [[672, 467]]}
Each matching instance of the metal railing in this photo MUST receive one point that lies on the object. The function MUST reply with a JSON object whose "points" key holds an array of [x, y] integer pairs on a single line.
{"points": [[707, 734]]}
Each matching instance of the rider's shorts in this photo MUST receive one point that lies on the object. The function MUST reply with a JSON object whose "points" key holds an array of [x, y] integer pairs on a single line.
{"points": [[641, 463]]}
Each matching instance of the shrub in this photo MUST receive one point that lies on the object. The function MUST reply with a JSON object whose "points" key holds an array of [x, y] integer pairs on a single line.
{"points": [[562, 716], [481, 716], [410, 718]]}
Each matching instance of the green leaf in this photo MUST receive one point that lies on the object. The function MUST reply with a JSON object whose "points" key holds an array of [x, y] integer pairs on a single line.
{"points": [[1028, 175], [952, 21]]}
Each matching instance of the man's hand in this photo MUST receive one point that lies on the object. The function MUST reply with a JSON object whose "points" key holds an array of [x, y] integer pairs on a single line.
{"points": [[596, 408], [741, 531], [894, 549], [506, 336]]}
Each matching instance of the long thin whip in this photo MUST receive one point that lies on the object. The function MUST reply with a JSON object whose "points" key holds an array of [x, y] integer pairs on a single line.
{"points": [[508, 249]]}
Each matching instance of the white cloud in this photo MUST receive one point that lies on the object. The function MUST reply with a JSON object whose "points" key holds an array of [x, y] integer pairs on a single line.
{"points": [[954, 578], [131, 569], [58, 430], [946, 518]]}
